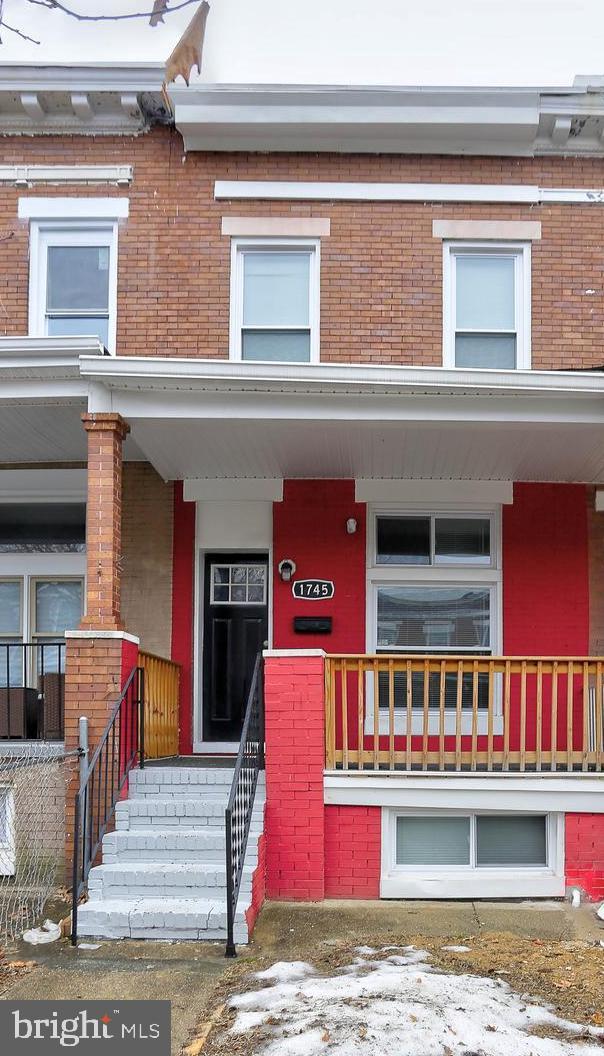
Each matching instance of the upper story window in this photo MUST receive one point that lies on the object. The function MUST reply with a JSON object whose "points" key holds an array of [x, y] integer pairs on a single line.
{"points": [[275, 301], [73, 280], [487, 305]]}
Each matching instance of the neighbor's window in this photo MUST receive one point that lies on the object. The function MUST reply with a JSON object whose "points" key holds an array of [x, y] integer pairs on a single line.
{"points": [[487, 306], [478, 841], [11, 631], [274, 302], [74, 274]]}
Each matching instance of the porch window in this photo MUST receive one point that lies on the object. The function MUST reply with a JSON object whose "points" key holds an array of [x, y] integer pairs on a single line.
{"points": [[56, 608], [11, 632], [73, 280], [274, 301], [476, 841], [487, 305]]}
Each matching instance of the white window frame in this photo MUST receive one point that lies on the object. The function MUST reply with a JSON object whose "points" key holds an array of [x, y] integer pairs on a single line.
{"points": [[8, 855], [239, 246], [56, 232], [482, 576], [521, 253], [471, 881]]}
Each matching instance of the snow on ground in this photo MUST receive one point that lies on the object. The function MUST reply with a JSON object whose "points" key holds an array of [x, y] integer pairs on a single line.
{"points": [[400, 1004]]}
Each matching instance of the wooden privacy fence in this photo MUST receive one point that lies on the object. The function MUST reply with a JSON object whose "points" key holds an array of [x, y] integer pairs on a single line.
{"points": [[464, 713], [162, 691]]}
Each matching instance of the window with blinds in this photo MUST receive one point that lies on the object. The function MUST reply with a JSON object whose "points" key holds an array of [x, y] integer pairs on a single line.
{"points": [[477, 841]]}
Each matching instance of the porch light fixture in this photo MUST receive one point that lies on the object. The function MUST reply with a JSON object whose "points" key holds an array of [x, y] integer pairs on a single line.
{"points": [[351, 525], [287, 567]]}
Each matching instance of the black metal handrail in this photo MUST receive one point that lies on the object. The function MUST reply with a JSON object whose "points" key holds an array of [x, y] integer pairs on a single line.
{"points": [[32, 690], [121, 745], [238, 814]]}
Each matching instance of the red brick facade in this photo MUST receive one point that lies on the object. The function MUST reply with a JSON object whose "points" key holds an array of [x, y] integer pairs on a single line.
{"points": [[381, 268], [353, 837], [585, 853]]}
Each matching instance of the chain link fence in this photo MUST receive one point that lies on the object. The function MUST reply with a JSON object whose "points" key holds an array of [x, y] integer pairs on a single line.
{"points": [[33, 782]]}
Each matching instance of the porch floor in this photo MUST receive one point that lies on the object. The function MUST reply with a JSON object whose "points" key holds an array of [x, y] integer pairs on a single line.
{"points": [[221, 762]]}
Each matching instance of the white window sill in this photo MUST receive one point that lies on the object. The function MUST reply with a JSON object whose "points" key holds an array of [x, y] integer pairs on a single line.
{"points": [[472, 883]]}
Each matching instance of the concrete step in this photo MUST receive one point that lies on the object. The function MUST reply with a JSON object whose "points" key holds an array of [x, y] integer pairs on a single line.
{"points": [[174, 811], [159, 918], [177, 845], [131, 880]]}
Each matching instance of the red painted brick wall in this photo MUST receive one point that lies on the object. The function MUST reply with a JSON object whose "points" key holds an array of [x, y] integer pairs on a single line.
{"points": [[381, 269], [310, 527], [585, 853], [295, 753], [183, 571], [352, 852], [258, 886]]}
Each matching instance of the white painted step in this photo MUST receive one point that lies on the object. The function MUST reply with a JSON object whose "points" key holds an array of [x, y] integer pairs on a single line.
{"points": [[168, 811], [158, 918], [176, 845], [182, 781], [128, 880]]}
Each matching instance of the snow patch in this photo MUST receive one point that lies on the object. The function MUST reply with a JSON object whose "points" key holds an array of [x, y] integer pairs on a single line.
{"points": [[398, 1003], [456, 949]]}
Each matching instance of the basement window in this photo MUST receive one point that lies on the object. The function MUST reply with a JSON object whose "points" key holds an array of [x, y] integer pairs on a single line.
{"points": [[476, 841], [275, 301]]}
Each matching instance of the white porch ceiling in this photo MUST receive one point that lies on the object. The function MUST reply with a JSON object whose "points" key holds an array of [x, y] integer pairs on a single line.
{"points": [[39, 432], [214, 448]]}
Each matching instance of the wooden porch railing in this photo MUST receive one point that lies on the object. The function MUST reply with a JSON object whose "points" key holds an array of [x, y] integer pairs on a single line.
{"points": [[162, 686], [464, 713]]}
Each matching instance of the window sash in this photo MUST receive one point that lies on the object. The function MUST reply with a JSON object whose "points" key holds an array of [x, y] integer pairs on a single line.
{"points": [[436, 560], [473, 863]]}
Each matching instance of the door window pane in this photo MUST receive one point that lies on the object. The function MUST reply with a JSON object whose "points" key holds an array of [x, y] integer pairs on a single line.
{"points": [[276, 289], [493, 351], [420, 618], [276, 346], [462, 540], [511, 840], [10, 607], [433, 841], [238, 584], [485, 292], [403, 541], [58, 606], [78, 278]]}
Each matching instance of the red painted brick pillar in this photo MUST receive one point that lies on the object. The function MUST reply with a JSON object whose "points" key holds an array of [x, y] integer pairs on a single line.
{"points": [[106, 433], [295, 758]]}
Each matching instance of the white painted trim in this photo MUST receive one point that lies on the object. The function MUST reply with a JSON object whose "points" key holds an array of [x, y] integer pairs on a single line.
{"points": [[8, 853], [43, 485], [239, 246], [272, 654], [499, 230], [521, 254], [233, 489], [599, 500], [471, 881], [276, 226], [104, 634], [68, 232], [299, 190], [28, 175], [459, 493], [505, 793], [73, 208]]}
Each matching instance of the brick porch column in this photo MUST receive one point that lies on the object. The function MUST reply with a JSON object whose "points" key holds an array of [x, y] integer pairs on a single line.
{"points": [[295, 758], [106, 433]]}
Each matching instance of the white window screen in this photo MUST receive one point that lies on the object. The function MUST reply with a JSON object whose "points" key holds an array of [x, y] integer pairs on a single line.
{"points": [[485, 310], [510, 840], [432, 841], [77, 291], [276, 323]]}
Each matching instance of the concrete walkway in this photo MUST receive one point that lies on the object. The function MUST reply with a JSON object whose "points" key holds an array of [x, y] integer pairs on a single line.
{"points": [[186, 973]]}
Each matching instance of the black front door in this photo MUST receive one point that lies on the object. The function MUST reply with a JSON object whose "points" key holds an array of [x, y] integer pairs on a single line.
{"points": [[235, 629]]}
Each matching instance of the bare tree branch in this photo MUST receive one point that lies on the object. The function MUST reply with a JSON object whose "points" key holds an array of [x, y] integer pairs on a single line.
{"points": [[56, 5], [13, 29]]}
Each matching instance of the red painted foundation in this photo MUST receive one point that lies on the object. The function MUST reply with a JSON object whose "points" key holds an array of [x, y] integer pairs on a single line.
{"points": [[352, 852]]}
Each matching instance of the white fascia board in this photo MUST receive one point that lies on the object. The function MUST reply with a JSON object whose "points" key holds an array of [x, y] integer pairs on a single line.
{"points": [[298, 190], [28, 175], [83, 77], [29, 364], [234, 490], [43, 485], [462, 492], [73, 208], [497, 793], [50, 347], [157, 373]]}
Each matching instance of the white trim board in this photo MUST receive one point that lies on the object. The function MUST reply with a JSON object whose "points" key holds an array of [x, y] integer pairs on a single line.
{"points": [[275, 190], [28, 175], [43, 485], [73, 208], [496, 793], [276, 226]]}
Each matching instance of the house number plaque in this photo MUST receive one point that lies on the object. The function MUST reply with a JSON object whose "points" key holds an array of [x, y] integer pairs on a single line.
{"points": [[313, 589]]}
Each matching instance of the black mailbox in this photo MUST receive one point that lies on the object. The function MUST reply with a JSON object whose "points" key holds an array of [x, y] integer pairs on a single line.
{"points": [[312, 624]]}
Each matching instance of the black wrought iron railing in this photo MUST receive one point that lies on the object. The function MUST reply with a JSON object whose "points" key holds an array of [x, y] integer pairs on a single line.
{"points": [[32, 690], [103, 779], [238, 814]]}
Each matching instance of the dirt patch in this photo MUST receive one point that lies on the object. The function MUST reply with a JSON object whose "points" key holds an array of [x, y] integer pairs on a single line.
{"points": [[11, 970], [568, 976]]}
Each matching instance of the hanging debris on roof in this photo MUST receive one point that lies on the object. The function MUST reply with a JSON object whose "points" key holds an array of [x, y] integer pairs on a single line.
{"points": [[159, 9], [188, 51]]}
